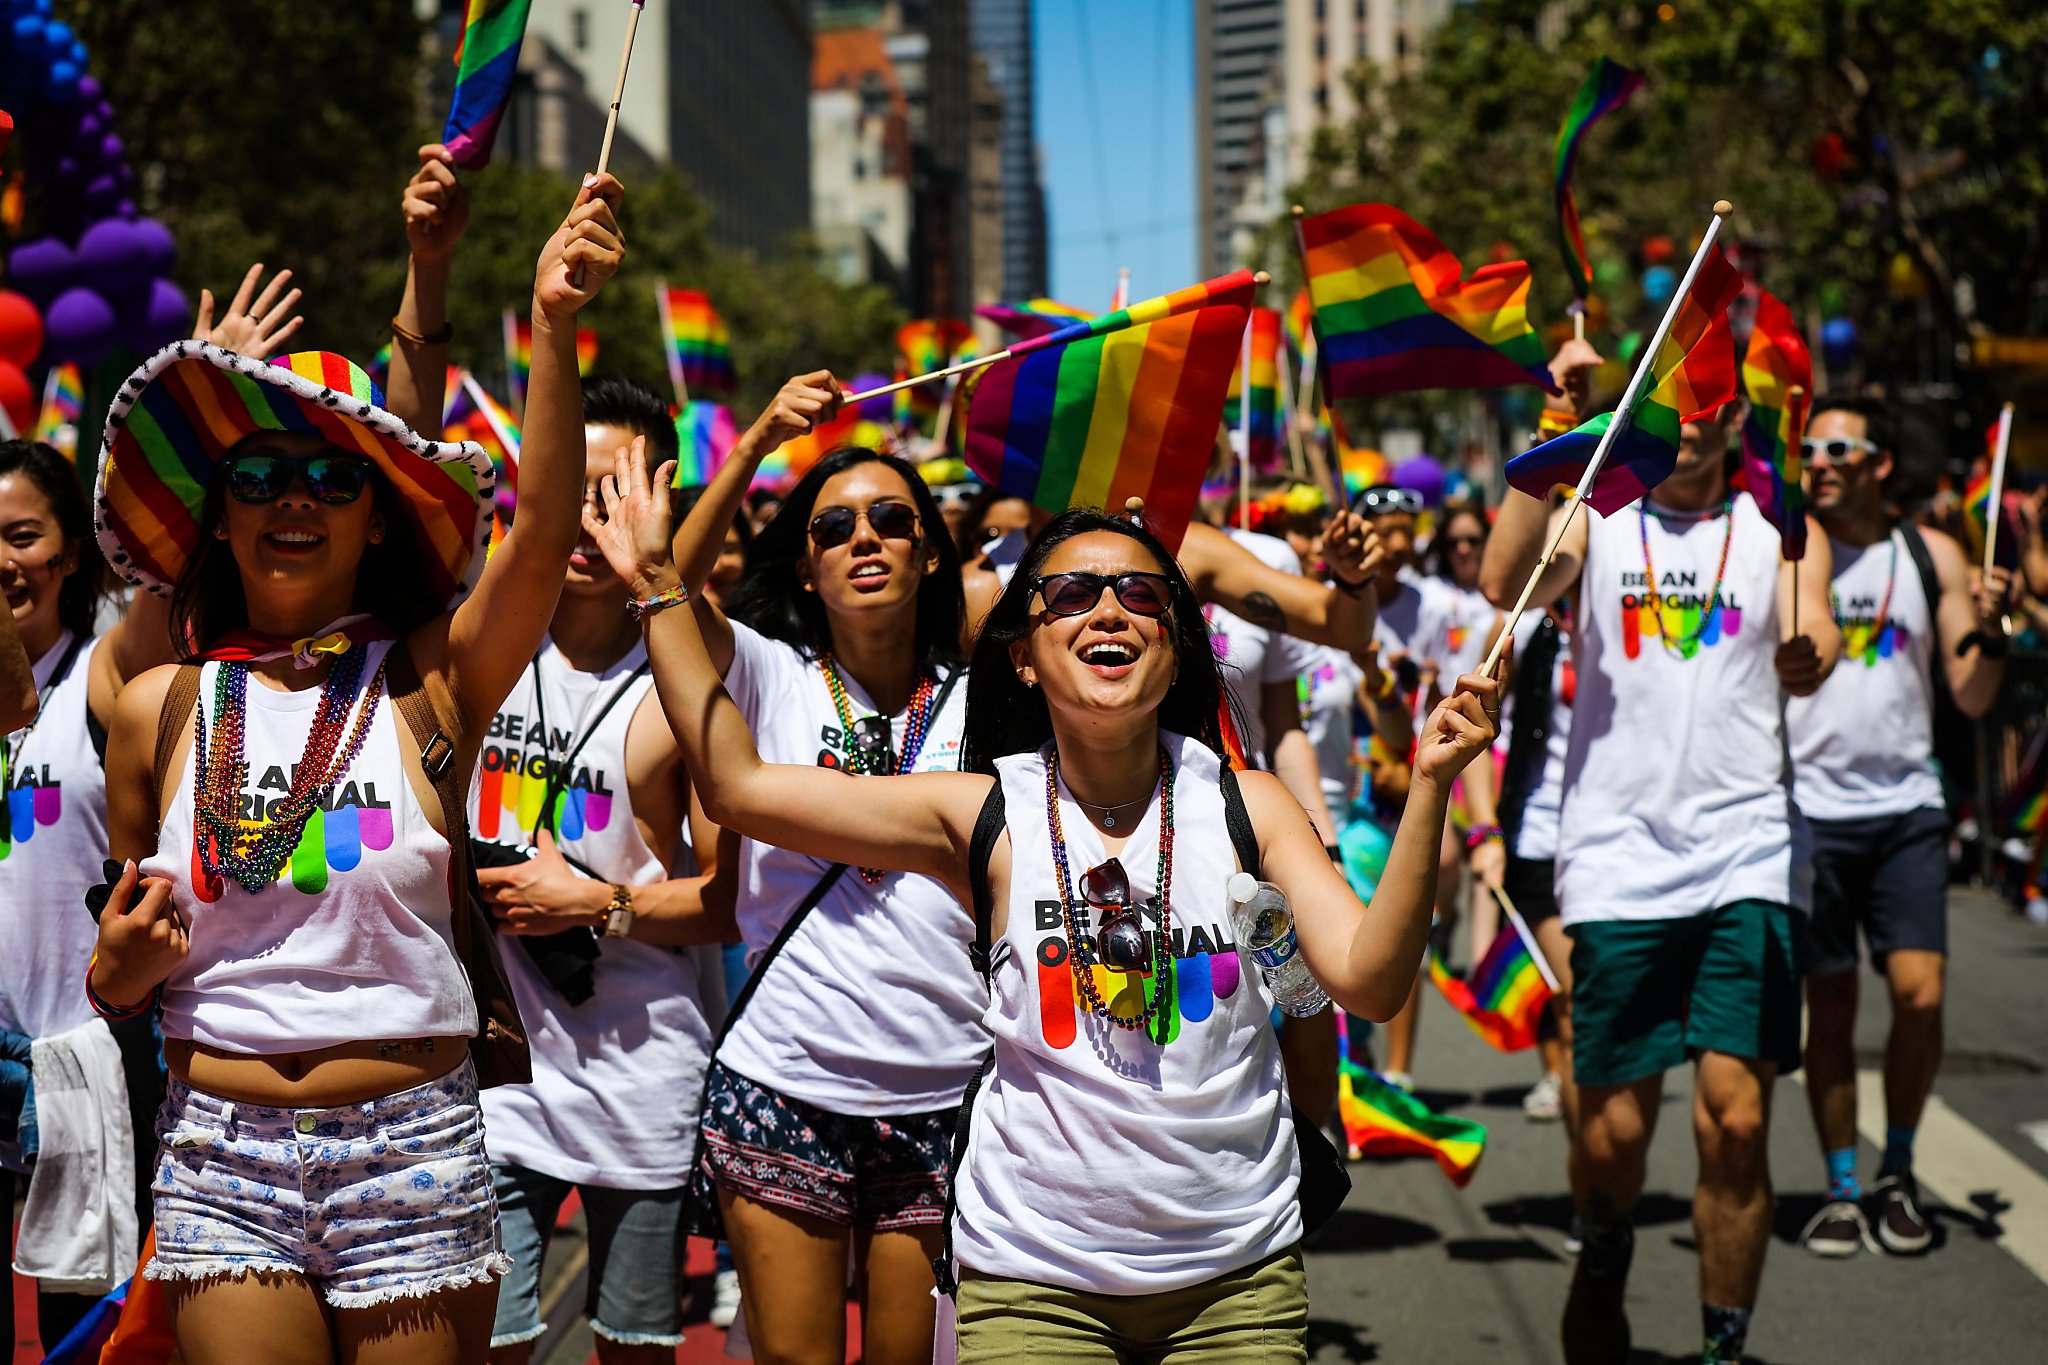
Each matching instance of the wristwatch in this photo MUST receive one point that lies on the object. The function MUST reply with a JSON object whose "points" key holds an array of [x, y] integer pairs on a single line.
{"points": [[618, 920]]}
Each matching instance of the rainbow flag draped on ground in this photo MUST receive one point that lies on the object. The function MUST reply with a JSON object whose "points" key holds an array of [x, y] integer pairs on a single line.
{"points": [[63, 408], [486, 60], [1032, 318], [1123, 405], [1775, 363], [1605, 87], [696, 340], [1263, 336], [924, 345], [1692, 374], [705, 435], [1380, 1120], [1394, 311], [1504, 995]]}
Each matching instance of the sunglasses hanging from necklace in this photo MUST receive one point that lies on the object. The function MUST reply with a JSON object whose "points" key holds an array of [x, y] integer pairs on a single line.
{"points": [[1119, 939], [867, 739]]}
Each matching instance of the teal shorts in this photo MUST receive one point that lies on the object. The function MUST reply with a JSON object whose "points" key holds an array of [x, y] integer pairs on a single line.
{"points": [[1648, 995]]}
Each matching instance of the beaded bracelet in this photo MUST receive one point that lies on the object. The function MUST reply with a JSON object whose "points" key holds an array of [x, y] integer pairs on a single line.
{"points": [[661, 601], [440, 338], [1483, 834], [115, 1014]]}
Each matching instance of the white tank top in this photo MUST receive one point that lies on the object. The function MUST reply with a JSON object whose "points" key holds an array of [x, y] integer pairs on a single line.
{"points": [[1863, 746], [586, 1117], [53, 841], [872, 1007], [1100, 1160], [1676, 783], [353, 941]]}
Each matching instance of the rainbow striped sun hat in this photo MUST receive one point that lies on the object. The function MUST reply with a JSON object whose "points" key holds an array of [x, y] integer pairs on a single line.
{"points": [[179, 414]]}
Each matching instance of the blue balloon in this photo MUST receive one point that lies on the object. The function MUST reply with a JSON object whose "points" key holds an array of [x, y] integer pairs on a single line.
{"points": [[1660, 282], [64, 81], [1838, 340]]}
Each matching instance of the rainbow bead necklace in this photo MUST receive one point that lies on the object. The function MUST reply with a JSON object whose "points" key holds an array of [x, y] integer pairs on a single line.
{"points": [[1870, 646], [1690, 642], [1162, 937], [917, 721]]}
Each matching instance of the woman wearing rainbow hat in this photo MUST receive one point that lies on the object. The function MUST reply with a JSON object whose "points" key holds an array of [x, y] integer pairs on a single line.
{"points": [[301, 908]]}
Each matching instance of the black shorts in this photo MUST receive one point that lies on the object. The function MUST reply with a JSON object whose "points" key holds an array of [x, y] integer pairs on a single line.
{"points": [[1531, 884], [1888, 874]]}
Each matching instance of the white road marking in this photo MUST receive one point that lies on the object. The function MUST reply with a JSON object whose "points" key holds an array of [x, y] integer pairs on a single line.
{"points": [[1955, 1159], [2036, 1133]]}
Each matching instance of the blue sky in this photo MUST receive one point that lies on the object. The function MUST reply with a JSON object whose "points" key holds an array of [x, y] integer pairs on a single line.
{"points": [[1116, 133]]}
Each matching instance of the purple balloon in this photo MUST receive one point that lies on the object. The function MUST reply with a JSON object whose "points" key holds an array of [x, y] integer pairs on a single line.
{"points": [[90, 89], [79, 327], [112, 148], [67, 170], [127, 209], [1422, 474], [163, 316], [102, 194], [881, 409], [111, 259], [158, 246], [91, 128], [41, 269]]}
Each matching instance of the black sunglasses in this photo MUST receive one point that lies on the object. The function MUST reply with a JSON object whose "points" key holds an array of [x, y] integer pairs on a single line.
{"points": [[1383, 500], [1119, 941], [259, 478], [890, 520], [1070, 594], [1464, 540], [873, 751]]}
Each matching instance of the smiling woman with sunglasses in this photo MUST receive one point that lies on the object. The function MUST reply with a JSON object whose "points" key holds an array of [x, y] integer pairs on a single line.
{"points": [[301, 914], [830, 1102], [1129, 1187]]}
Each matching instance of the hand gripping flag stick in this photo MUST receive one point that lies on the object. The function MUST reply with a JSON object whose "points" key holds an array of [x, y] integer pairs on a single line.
{"points": [[1622, 411], [611, 121]]}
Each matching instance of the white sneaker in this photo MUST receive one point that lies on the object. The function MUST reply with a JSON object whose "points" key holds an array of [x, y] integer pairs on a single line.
{"points": [[1400, 1080], [725, 1298], [1545, 1100]]}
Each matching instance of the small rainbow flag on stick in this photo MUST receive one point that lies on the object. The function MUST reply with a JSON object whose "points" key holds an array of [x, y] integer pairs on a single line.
{"points": [[1125, 405], [1504, 995], [1777, 376], [1264, 364], [519, 354], [1299, 324], [1604, 89], [1394, 311], [63, 407], [696, 340], [1380, 1120], [471, 414], [1692, 373], [705, 435], [924, 345], [1033, 318], [486, 59]]}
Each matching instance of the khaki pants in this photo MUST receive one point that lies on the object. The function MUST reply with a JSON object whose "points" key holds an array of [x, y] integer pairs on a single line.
{"points": [[1254, 1316]]}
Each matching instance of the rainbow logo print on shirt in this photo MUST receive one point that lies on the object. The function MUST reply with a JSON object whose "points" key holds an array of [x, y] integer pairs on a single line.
{"points": [[1863, 637], [1679, 615], [512, 779], [1205, 969], [33, 800], [351, 819]]}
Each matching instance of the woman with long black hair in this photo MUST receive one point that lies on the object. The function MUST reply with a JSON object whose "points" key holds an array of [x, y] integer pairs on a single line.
{"points": [[1129, 1185], [831, 1097]]}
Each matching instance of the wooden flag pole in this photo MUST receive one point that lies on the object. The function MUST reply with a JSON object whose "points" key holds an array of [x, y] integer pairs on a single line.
{"points": [[1312, 369], [611, 121], [1615, 426], [1296, 463], [1996, 493], [1122, 297], [1244, 430], [483, 410], [668, 345]]}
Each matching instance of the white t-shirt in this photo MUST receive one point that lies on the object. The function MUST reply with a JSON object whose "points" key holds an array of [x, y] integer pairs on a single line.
{"points": [[1100, 1159], [1251, 655], [1863, 746], [872, 1007], [585, 1117], [1677, 783], [50, 853], [1328, 694], [1414, 620], [1467, 621]]}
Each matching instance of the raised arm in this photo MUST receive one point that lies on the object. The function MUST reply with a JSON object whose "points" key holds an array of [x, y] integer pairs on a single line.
{"points": [[495, 631], [801, 403], [1366, 956], [1339, 614], [255, 325], [918, 823], [136, 643], [1965, 619], [436, 211]]}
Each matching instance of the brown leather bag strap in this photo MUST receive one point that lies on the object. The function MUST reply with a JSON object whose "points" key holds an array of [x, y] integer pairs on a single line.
{"points": [[408, 691], [179, 702]]}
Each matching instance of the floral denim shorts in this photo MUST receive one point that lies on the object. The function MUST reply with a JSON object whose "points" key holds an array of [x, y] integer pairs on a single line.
{"points": [[772, 1148], [390, 1198]]}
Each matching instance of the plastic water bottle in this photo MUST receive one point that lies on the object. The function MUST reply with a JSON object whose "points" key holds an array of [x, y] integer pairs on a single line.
{"points": [[1265, 926]]}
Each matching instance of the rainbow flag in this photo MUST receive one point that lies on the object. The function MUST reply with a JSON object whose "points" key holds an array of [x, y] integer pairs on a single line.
{"points": [[705, 435], [794, 458], [696, 340], [63, 408], [1299, 324], [379, 367], [469, 413], [1263, 332], [1123, 405], [1394, 311], [1380, 1120], [1775, 363], [1505, 994], [1692, 374], [924, 345], [1605, 87], [519, 354], [486, 59], [1033, 318]]}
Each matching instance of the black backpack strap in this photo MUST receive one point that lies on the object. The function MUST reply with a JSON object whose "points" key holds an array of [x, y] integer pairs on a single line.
{"points": [[988, 827], [1239, 820], [943, 1269], [1930, 583], [782, 937]]}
